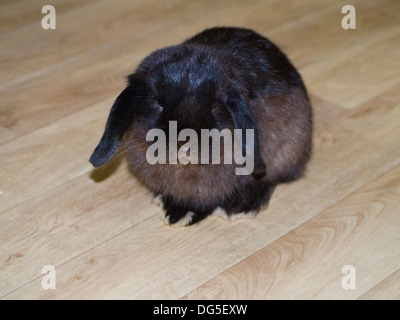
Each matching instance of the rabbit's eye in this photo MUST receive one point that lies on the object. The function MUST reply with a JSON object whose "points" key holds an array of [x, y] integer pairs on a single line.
{"points": [[159, 105], [214, 109]]}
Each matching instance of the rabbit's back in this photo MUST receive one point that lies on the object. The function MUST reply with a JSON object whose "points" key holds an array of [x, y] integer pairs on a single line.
{"points": [[254, 61]]}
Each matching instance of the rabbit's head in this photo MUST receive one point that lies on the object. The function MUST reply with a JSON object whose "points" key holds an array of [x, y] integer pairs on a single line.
{"points": [[184, 86]]}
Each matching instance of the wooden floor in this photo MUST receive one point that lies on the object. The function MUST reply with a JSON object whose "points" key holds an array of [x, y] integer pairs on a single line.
{"points": [[99, 229]]}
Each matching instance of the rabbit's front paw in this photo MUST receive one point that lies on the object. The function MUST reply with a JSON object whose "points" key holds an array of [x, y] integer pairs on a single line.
{"points": [[182, 217]]}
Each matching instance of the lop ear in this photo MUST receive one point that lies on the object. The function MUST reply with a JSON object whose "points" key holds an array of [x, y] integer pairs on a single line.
{"points": [[243, 119], [122, 113]]}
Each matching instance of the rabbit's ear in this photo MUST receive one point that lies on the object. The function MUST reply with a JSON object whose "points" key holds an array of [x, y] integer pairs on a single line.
{"points": [[119, 120], [243, 119]]}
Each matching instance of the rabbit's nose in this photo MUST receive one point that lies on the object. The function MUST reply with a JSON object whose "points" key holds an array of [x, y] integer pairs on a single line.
{"points": [[185, 149]]}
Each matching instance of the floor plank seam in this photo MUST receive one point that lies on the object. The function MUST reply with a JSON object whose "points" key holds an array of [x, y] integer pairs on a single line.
{"points": [[377, 284]]}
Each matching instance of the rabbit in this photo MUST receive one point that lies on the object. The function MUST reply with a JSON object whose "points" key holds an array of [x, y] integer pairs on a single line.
{"points": [[223, 77]]}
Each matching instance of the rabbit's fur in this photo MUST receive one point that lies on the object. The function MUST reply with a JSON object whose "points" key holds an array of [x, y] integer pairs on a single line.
{"points": [[220, 78]]}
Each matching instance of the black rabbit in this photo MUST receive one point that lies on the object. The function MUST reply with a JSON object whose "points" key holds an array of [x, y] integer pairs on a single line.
{"points": [[222, 78]]}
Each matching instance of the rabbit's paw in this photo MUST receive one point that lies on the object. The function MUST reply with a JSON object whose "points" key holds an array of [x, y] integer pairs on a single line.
{"points": [[182, 217]]}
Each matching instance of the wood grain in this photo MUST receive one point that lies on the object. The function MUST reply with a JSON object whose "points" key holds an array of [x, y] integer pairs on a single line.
{"points": [[307, 262], [99, 229]]}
